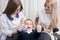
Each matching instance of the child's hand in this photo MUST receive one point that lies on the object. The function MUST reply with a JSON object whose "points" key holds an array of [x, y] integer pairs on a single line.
{"points": [[39, 28], [21, 26]]}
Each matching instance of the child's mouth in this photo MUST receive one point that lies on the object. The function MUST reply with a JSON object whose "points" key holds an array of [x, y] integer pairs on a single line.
{"points": [[29, 27]]}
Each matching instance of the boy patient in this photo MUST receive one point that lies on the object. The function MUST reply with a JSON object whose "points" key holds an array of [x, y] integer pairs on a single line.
{"points": [[28, 33]]}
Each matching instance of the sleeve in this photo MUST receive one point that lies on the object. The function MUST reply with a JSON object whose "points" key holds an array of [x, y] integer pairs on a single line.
{"points": [[19, 34], [37, 34], [22, 17], [5, 27]]}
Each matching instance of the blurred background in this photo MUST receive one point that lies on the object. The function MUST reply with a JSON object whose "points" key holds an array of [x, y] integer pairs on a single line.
{"points": [[31, 7]]}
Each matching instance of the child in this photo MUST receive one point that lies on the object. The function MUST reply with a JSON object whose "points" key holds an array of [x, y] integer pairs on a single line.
{"points": [[29, 33]]}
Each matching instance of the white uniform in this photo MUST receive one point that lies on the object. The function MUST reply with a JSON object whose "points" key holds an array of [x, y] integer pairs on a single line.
{"points": [[8, 24], [0, 29], [0, 32]]}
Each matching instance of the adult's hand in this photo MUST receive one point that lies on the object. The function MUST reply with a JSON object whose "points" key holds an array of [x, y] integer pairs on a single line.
{"points": [[21, 26]]}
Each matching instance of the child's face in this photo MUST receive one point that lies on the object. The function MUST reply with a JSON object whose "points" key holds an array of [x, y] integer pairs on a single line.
{"points": [[29, 24]]}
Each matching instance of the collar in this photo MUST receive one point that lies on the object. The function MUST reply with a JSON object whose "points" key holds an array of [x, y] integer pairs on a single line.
{"points": [[10, 18]]}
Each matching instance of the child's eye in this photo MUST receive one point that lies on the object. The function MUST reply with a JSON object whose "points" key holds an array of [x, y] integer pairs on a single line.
{"points": [[30, 24]]}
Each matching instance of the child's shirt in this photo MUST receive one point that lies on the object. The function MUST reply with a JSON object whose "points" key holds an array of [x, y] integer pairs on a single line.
{"points": [[28, 36]]}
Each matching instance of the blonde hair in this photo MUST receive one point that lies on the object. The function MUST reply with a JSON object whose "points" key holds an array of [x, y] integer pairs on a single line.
{"points": [[50, 2], [28, 19]]}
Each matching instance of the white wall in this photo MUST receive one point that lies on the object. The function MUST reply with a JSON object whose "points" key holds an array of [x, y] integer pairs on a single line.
{"points": [[58, 13], [3, 4], [33, 8], [0, 5], [26, 8]]}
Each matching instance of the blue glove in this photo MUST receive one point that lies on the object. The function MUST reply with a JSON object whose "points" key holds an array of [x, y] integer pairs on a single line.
{"points": [[24, 29]]}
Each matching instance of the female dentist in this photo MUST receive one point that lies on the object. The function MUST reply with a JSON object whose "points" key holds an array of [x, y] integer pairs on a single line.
{"points": [[11, 18]]}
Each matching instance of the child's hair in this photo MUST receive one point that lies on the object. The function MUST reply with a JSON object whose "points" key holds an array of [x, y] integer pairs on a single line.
{"points": [[27, 20], [36, 20]]}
